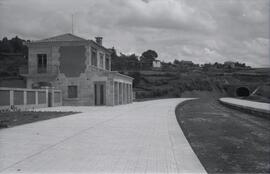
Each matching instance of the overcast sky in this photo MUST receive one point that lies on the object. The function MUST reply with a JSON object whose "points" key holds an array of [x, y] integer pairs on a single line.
{"points": [[198, 30]]}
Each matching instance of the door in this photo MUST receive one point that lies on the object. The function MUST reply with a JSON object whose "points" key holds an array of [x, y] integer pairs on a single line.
{"points": [[100, 93]]}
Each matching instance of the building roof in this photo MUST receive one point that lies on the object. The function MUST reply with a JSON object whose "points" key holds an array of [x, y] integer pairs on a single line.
{"points": [[68, 37], [63, 37]]}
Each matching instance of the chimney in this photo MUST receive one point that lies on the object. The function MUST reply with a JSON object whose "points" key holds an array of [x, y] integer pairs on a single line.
{"points": [[99, 40]]}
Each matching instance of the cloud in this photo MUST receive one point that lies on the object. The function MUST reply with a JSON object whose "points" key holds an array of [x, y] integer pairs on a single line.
{"points": [[169, 14], [198, 30], [145, 1]]}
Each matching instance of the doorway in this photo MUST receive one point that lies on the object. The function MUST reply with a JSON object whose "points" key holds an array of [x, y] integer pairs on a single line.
{"points": [[100, 93]]}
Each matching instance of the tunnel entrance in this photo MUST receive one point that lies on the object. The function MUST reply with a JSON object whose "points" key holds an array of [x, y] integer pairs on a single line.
{"points": [[242, 92]]}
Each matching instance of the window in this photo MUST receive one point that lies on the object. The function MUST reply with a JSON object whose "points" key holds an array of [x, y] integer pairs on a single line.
{"points": [[42, 63], [94, 57], [72, 92], [101, 60], [107, 63]]}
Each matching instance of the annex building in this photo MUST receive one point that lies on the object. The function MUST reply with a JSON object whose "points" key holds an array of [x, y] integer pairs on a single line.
{"points": [[80, 68]]}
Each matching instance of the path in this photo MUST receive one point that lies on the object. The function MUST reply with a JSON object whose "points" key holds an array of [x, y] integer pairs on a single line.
{"points": [[143, 137]]}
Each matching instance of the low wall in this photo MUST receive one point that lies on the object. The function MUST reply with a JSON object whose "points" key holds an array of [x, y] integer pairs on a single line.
{"points": [[24, 99]]}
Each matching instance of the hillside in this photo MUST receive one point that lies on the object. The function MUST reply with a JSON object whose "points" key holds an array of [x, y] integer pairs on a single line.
{"points": [[163, 84]]}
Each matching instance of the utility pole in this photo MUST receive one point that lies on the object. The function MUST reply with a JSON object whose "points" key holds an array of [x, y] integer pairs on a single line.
{"points": [[72, 23]]}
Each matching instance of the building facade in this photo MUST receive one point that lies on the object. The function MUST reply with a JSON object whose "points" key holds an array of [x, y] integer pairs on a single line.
{"points": [[80, 68], [156, 64], [229, 64]]}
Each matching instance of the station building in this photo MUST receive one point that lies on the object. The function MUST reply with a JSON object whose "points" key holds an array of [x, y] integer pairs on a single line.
{"points": [[80, 68]]}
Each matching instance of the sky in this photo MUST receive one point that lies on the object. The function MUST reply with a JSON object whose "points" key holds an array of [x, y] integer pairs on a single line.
{"points": [[202, 31]]}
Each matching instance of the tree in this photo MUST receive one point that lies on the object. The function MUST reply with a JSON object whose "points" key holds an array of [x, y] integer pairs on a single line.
{"points": [[17, 44], [176, 62], [5, 46], [124, 62], [147, 58]]}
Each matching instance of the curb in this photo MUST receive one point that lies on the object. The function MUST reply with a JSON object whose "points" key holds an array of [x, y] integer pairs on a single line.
{"points": [[246, 109]]}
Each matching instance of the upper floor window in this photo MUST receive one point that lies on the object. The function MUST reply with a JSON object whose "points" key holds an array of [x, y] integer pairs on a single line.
{"points": [[101, 60], [41, 63], [107, 62], [94, 57]]}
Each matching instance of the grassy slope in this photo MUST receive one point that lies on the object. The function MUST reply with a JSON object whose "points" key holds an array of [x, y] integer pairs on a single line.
{"points": [[9, 119], [153, 84]]}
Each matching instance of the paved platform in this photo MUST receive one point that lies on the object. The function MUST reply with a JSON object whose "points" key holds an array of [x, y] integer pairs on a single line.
{"points": [[259, 107], [142, 137]]}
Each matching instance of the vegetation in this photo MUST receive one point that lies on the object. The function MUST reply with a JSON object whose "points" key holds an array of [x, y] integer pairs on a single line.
{"points": [[124, 62], [13, 54], [147, 59], [15, 118], [133, 62], [144, 62], [177, 77], [14, 45]]}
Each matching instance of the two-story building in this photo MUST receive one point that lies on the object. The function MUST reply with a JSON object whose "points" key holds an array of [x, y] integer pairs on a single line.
{"points": [[80, 68]]}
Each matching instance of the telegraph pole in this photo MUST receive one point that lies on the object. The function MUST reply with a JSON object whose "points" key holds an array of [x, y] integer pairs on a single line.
{"points": [[72, 24]]}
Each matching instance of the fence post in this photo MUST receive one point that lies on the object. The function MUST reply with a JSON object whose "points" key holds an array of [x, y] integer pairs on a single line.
{"points": [[47, 94], [52, 91], [11, 97], [24, 97], [36, 97]]}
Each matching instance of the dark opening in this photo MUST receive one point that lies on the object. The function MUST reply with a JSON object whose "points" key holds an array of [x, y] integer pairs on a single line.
{"points": [[72, 92], [242, 92], [39, 85], [44, 84], [42, 63], [107, 62], [94, 57], [96, 102], [100, 94]]}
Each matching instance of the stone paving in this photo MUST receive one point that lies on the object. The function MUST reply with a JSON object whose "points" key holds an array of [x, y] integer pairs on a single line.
{"points": [[142, 137]]}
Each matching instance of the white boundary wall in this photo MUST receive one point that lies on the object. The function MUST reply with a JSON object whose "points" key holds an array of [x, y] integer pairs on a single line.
{"points": [[25, 99]]}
